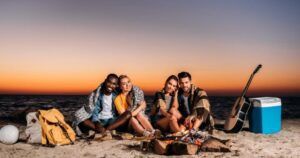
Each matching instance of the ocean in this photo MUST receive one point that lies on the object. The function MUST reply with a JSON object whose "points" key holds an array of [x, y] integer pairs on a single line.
{"points": [[13, 108]]}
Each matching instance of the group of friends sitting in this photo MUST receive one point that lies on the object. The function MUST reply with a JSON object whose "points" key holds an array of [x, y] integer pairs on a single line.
{"points": [[117, 104]]}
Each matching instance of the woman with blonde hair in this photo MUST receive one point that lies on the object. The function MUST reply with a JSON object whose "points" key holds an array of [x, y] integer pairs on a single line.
{"points": [[132, 99]]}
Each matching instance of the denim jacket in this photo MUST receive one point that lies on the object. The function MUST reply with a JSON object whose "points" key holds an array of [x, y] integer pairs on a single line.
{"points": [[98, 107]]}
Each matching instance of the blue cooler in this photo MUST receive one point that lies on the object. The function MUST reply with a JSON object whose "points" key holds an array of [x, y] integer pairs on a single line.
{"points": [[265, 115]]}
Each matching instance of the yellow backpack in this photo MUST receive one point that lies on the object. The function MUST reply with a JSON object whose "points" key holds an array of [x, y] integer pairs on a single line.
{"points": [[55, 131]]}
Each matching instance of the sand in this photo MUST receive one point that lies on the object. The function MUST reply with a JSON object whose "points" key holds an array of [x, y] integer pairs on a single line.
{"points": [[244, 144]]}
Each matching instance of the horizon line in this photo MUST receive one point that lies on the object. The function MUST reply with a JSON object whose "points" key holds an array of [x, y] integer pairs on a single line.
{"points": [[255, 94]]}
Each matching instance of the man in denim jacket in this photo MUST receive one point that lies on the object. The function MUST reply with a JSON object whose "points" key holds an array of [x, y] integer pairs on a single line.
{"points": [[100, 110]]}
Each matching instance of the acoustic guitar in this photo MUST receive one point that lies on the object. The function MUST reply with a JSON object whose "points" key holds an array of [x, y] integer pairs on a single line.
{"points": [[235, 121]]}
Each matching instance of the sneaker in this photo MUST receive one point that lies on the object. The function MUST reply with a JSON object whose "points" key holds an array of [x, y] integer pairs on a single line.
{"points": [[103, 136], [89, 135], [107, 136]]}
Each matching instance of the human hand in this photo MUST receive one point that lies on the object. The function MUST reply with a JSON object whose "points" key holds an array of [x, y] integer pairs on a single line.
{"points": [[188, 122], [162, 104], [176, 93], [99, 128]]}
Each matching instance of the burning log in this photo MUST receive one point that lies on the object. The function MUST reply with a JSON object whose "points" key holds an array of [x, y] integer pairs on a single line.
{"points": [[188, 144]]}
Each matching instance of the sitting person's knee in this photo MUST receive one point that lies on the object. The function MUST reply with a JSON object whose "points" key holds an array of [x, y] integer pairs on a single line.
{"points": [[198, 119], [172, 111], [140, 116], [131, 120], [173, 118]]}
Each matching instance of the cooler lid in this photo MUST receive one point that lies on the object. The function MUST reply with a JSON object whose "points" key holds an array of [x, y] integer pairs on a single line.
{"points": [[265, 101]]}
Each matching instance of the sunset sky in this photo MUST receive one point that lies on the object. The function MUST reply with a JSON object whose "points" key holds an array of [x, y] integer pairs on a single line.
{"points": [[68, 47]]}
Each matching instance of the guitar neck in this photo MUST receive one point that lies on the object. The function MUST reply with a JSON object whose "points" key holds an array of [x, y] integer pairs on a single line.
{"points": [[250, 80], [247, 86]]}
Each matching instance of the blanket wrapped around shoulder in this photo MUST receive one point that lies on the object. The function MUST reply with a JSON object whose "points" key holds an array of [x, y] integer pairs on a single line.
{"points": [[86, 110], [135, 97]]}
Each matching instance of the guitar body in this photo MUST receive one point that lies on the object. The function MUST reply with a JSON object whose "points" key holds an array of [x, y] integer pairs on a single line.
{"points": [[235, 122]]}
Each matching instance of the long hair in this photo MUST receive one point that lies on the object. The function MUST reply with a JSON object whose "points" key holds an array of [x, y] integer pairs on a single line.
{"points": [[172, 77], [122, 77], [130, 96]]}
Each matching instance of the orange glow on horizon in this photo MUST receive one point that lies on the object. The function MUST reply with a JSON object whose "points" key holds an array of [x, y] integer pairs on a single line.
{"points": [[66, 49], [84, 84]]}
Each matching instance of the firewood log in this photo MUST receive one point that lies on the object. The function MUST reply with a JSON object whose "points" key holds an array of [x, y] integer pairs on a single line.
{"points": [[161, 147], [180, 148], [214, 145]]}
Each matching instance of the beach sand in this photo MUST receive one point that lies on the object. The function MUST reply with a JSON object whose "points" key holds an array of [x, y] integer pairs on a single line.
{"points": [[244, 144]]}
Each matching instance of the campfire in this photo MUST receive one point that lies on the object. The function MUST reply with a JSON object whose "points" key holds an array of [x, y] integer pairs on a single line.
{"points": [[188, 143]]}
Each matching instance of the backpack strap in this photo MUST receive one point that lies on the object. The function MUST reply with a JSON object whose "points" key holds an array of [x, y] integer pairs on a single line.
{"points": [[64, 128]]}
